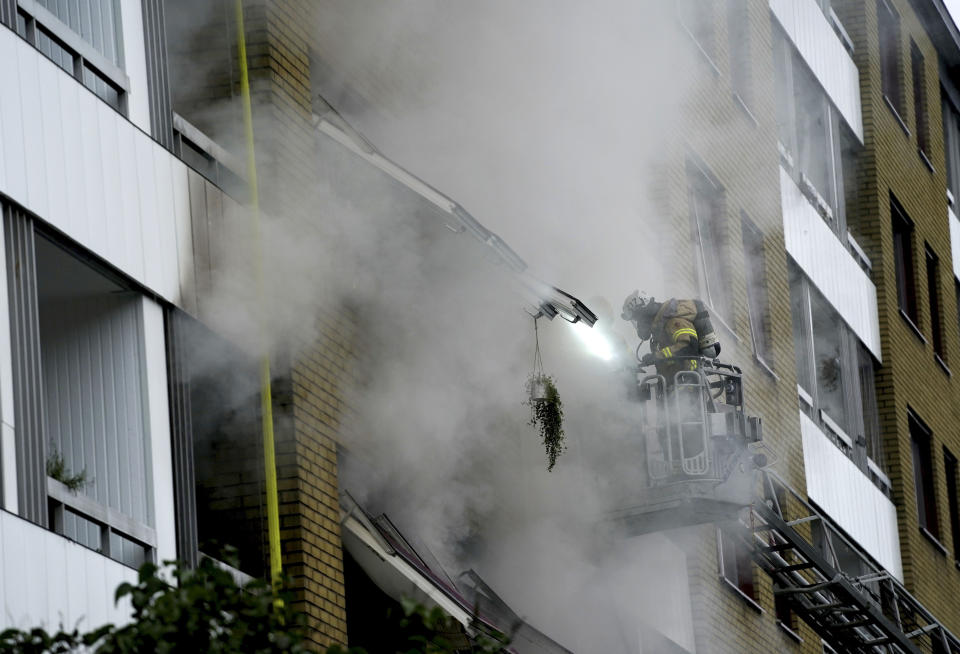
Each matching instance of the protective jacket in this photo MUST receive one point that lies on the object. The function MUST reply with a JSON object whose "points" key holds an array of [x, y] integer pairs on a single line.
{"points": [[673, 334]]}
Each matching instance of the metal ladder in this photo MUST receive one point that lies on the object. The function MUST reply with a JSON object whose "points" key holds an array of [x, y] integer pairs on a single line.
{"points": [[870, 613]]}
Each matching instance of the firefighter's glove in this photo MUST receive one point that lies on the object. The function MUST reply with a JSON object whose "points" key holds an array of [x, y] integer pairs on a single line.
{"points": [[647, 359]]}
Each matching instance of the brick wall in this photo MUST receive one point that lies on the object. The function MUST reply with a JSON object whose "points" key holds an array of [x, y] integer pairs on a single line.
{"points": [[910, 375], [737, 143]]}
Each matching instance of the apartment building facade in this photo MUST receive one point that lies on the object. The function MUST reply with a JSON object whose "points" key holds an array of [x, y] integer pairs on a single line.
{"points": [[811, 203]]}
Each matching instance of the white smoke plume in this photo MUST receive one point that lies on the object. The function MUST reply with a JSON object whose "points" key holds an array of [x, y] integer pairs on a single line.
{"points": [[551, 122]]}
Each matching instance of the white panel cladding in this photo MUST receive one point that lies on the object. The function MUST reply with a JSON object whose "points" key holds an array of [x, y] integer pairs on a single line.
{"points": [[73, 222], [11, 117], [850, 498], [664, 607], [827, 263], [954, 240], [94, 219], [33, 134], [47, 580], [814, 38], [135, 63], [92, 357], [72, 160], [158, 421], [53, 142]]}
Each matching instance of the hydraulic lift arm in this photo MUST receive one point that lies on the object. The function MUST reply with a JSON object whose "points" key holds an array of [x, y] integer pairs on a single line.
{"points": [[546, 300]]}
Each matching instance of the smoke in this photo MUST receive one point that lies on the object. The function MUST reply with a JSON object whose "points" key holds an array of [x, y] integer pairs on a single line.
{"points": [[552, 123]]}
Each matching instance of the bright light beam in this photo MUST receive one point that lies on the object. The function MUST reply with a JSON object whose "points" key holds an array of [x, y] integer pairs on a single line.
{"points": [[594, 340]]}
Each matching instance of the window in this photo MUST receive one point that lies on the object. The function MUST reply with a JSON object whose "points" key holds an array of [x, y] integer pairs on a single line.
{"points": [[738, 26], [889, 32], [933, 292], [950, 472], [80, 396], [697, 19], [835, 375], [736, 564], [951, 144], [95, 21], [83, 38], [818, 148], [708, 228], [956, 293], [921, 445], [216, 396], [921, 118], [867, 369], [903, 261], [757, 300]]}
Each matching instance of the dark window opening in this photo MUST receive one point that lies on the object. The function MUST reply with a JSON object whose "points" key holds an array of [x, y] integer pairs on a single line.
{"points": [[903, 261], [950, 472], [889, 32], [920, 98], [933, 293], [736, 564], [227, 446], [921, 447], [757, 298]]}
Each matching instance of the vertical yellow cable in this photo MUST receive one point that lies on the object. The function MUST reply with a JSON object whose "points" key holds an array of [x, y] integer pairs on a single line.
{"points": [[266, 399]]}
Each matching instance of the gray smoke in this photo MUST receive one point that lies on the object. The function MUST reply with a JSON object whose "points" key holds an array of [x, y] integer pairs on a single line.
{"points": [[553, 123]]}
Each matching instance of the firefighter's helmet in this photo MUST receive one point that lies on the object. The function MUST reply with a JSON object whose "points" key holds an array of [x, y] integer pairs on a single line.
{"points": [[634, 304]]}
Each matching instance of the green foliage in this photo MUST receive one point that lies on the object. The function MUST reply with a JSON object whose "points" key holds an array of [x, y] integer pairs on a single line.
{"points": [[207, 612], [546, 412], [57, 468]]}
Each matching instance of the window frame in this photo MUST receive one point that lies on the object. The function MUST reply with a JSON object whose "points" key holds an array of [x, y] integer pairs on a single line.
{"points": [[703, 34], [742, 579], [950, 471], [891, 60], [853, 439], [87, 62], [921, 116], [932, 263], [790, 70], [758, 299], [738, 29], [713, 264], [925, 488], [904, 264]]}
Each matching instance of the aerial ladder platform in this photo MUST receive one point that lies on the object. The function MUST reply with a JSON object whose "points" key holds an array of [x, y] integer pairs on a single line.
{"points": [[705, 463], [866, 610]]}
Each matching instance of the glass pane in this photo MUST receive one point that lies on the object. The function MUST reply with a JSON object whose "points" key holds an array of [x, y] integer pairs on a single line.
{"points": [[828, 358], [868, 400], [801, 330], [814, 156]]}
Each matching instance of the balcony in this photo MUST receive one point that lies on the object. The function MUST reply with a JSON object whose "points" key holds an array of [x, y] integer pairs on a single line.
{"points": [[836, 272], [848, 496], [819, 40]]}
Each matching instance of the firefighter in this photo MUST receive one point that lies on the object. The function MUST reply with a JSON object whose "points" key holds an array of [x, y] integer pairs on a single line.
{"points": [[675, 328]]}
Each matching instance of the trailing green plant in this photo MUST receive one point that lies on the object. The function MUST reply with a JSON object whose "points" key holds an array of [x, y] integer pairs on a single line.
{"points": [[203, 610], [546, 413], [57, 468]]}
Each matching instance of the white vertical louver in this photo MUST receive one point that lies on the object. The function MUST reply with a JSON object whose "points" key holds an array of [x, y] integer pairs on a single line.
{"points": [[94, 396]]}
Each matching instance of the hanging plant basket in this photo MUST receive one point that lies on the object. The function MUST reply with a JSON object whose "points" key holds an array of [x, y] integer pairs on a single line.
{"points": [[546, 413], [546, 409]]}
